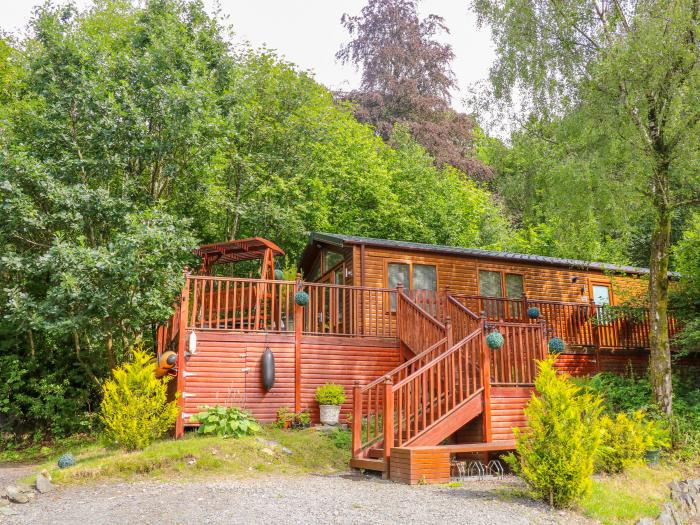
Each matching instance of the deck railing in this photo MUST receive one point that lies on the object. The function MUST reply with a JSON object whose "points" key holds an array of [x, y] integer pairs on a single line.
{"points": [[416, 329], [515, 364], [264, 305], [578, 324]]}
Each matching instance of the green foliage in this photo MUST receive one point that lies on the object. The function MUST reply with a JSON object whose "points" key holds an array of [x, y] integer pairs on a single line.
{"points": [[330, 394], [631, 394], [556, 453], [624, 441], [302, 419], [495, 340], [135, 410], [226, 422], [556, 345], [686, 297], [341, 438], [285, 416]]}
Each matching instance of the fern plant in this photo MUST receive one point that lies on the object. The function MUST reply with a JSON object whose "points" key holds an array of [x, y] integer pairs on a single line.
{"points": [[135, 409], [226, 422]]}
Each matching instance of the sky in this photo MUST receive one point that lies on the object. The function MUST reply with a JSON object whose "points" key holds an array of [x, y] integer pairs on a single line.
{"points": [[308, 33]]}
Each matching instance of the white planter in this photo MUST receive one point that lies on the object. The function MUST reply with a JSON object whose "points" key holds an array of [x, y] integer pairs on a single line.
{"points": [[330, 414]]}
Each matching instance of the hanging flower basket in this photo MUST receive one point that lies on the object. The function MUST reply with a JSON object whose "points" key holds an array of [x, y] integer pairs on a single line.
{"points": [[279, 275], [301, 298], [556, 345], [533, 312], [495, 340]]}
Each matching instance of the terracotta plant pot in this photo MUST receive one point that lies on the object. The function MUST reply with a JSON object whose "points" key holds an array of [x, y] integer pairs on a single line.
{"points": [[330, 414]]}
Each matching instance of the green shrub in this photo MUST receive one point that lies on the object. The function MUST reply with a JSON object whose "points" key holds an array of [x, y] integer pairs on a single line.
{"points": [[302, 419], [330, 394], [623, 442], [135, 409], [226, 422], [284, 417], [556, 453]]}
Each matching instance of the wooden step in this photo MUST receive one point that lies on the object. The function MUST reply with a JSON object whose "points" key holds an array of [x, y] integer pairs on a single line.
{"points": [[368, 464], [376, 453]]}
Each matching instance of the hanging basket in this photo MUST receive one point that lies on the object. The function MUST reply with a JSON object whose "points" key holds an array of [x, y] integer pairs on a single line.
{"points": [[279, 275], [533, 312], [556, 345], [495, 340], [301, 298]]}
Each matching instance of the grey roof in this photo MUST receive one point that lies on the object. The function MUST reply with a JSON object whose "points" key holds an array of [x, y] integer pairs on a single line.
{"points": [[340, 240]]}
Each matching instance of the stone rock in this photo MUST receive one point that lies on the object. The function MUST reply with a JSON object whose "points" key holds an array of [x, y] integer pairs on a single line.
{"points": [[268, 451], [287, 451], [43, 482], [4, 502], [646, 521], [15, 495], [267, 442], [8, 511]]}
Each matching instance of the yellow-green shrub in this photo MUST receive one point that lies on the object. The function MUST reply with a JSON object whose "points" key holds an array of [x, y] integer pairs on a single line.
{"points": [[135, 410], [623, 441], [556, 453]]}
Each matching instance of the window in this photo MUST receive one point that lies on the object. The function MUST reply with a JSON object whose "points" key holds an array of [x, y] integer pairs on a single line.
{"points": [[498, 285], [601, 294], [330, 259], [412, 276]]}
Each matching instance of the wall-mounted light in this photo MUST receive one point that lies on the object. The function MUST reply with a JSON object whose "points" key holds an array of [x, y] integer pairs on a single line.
{"points": [[574, 279]]}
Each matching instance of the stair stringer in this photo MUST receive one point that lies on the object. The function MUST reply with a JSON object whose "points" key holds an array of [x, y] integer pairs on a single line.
{"points": [[449, 423]]}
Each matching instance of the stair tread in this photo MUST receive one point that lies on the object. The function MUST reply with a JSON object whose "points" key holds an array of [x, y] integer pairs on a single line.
{"points": [[470, 447], [368, 464]]}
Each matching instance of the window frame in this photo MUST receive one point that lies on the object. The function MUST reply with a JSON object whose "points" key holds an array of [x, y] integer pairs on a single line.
{"points": [[410, 264], [503, 281]]}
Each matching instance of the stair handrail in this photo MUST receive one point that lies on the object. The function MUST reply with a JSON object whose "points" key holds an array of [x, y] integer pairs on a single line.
{"points": [[462, 380]]}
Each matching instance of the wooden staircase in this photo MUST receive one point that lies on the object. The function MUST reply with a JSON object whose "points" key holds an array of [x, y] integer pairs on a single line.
{"points": [[430, 396], [414, 408]]}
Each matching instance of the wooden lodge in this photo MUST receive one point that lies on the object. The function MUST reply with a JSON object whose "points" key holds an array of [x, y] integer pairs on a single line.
{"points": [[402, 327]]}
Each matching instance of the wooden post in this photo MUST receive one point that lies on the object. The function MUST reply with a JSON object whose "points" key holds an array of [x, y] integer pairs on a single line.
{"points": [[356, 419], [448, 333], [181, 345], [298, 324], [388, 422], [399, 293], [486, 383], [523, 313], [595, 328]]}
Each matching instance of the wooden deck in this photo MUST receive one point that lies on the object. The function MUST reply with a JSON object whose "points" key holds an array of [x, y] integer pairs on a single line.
{"points": [[425, 387]]}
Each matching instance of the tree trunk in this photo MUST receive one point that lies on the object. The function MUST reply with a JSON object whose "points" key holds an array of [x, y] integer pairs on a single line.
{"points": [[660, 357]]}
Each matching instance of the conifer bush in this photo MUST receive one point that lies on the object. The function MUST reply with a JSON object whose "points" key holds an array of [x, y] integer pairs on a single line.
{"points": [[135, 409], [623, 441], [556, 453]]}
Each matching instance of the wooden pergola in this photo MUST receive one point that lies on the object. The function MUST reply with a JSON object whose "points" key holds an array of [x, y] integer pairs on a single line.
{"points": [[231, 252]]}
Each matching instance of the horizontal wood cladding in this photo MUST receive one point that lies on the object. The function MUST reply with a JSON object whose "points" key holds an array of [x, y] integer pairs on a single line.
{"points": [[459, 273], [622, 363], [226, 370], [343, 361], [413, 466], [507, 405]]}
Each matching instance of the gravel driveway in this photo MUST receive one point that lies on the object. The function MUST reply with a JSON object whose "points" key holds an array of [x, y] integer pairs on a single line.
{"points": [[307, 499]]}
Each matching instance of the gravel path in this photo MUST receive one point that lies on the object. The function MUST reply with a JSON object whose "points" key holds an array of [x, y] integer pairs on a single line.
{"points": [[303, 500]]}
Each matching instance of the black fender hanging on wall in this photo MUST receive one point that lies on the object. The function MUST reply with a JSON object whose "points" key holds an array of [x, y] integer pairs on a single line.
{"points": [[268, 369]]}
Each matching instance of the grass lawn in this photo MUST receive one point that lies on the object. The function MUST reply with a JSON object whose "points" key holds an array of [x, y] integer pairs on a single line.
{"points": [[194, 455], [623, 498], [639, 492]]}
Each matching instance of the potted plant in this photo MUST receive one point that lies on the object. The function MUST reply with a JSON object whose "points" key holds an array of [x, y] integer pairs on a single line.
{"points": [[302, 420], [284, 417], [657, 438], [330, 396]]}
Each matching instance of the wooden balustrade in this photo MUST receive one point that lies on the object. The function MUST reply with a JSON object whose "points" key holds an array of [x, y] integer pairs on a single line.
{"points": [[434, 390], [349, 310], [416, 329], [578, 324], [262, 305], [432, 302], [464, 321], [167, 334], [516, 363]]}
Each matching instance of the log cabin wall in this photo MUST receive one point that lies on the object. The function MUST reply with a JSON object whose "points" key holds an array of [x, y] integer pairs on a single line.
{"points": [[460, 274], [226, 370]]}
